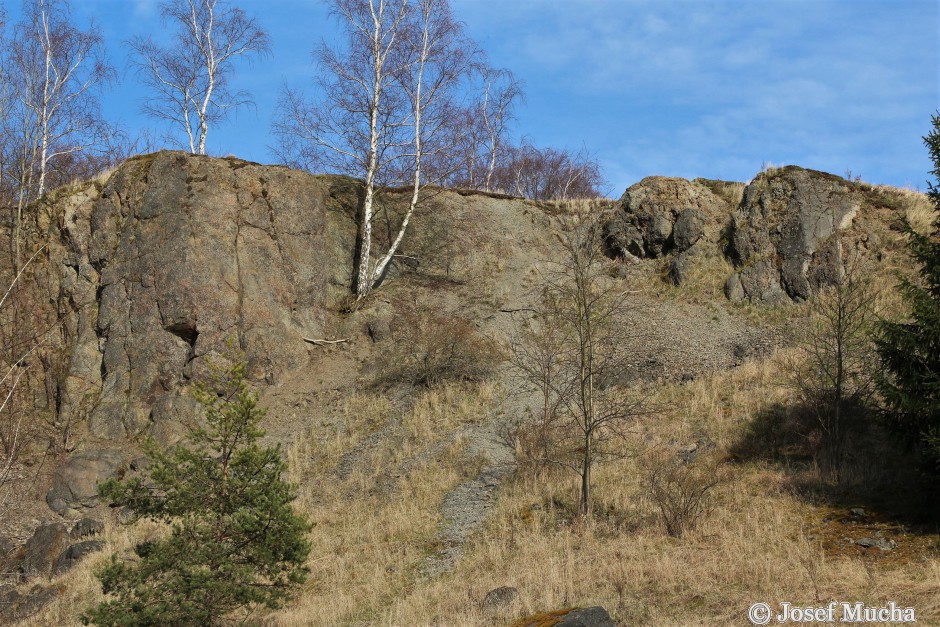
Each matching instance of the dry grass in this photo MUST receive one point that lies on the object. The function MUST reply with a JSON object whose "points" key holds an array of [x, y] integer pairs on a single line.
{"points": [[375, 527], [918, 210], [762, 542], [751, 548], [577, 207], [80, 587]]}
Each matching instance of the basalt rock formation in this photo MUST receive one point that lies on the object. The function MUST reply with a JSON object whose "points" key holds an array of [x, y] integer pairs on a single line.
{"points": [[659, 215], [790, 234], [784, 237], [174, 256]]}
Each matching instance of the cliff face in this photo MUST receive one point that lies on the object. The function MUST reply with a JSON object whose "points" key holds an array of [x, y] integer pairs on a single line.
{"points": [[787, 233], [786, 236], [176, 255], [172, 256]]}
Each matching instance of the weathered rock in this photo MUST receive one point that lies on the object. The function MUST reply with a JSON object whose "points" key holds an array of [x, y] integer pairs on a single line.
{"points": [[660, 215], [9, 596], [15, 606], [784, 242], [174, 256], [6, 546], [42, 549], [38, 598], [73, 554], [734, 291], [75, 483], [499, 598], [877, 542], [86, 527], [587, 617], [688, 229], [379, 324], [577, 617], [682, 263]]}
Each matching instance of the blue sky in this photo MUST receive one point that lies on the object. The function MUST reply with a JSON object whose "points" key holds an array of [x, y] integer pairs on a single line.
{"points": [[711, 88]]}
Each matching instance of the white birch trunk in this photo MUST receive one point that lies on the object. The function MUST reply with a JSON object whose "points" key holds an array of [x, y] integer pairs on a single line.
{"points": [[364, 279], [211, 70], [44, 117], [418, 107]]}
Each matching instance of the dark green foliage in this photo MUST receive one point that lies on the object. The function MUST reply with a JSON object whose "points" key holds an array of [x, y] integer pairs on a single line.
{"points": [[235, 541], [910, 349]]}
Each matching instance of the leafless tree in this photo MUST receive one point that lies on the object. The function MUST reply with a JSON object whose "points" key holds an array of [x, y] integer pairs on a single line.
{"points": [[55, 73], [834, 375], [360, 126], [573, 353], [440, 55], [191, 77], [500, 93], [6, 195], [549, 173], [479, 128], [385, 108]]}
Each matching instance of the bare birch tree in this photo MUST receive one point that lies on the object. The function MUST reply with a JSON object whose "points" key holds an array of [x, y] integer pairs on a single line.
{"points": [[191, 78], [440, 56], [56, 73], [384, 107], [6, 197], [500, 93], [358, 128]]}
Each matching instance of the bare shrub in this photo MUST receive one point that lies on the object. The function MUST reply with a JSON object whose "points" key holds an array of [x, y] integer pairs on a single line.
{"points": [[31, 360], [432, 347], [833, 375], [682, 491], [572, 356], [549, 173]]}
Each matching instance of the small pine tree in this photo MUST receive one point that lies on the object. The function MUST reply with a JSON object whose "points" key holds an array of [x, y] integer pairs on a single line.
{"points": [[910, 350], [235, 541]]}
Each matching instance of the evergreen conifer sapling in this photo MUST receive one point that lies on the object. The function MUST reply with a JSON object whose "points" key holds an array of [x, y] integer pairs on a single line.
{"points": [[235, 541]]}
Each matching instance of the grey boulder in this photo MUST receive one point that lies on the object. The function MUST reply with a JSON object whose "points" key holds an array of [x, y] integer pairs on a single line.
{"points": [[75, 483]]}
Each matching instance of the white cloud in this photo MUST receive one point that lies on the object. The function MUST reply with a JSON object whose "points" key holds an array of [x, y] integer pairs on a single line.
{"points": [[145, 9]]}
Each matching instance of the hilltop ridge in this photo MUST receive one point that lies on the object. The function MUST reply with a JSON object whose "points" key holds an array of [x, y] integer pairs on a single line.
{"points": [[161, 263]]}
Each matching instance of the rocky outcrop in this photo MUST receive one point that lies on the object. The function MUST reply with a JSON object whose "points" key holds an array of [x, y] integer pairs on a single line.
{"points": [[659, 215], [52, 549], [74, 554], [595, 616], [15, 606], [175, 255], [43, 548], [75, 483], [787, 233], [784, 240]]}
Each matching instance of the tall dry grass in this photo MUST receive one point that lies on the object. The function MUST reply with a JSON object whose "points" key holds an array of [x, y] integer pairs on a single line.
{"points": [[753, 547], [375, 527]]}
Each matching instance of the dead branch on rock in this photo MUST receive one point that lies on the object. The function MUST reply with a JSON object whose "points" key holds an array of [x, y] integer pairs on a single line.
{"points": [[325, 342]]}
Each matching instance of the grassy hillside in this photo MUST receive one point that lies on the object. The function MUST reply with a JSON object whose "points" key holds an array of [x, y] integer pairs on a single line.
{"points": [[422, 500]]}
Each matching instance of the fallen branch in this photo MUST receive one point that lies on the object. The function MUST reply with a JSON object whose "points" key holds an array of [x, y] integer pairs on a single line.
{"points": [[325, 342]]}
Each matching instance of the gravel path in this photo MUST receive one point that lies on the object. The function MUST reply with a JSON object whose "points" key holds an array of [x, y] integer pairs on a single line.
{"points": [[465, 508]]}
